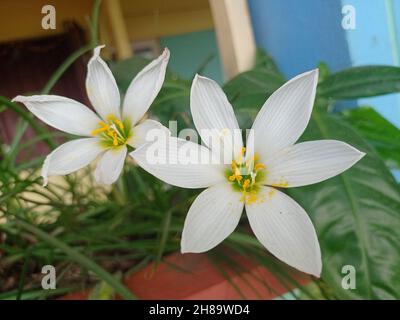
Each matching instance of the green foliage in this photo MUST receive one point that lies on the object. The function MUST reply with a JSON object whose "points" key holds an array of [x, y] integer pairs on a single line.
{"points": [[91, 234], [355, 214], [361, 82], [379, 132]]}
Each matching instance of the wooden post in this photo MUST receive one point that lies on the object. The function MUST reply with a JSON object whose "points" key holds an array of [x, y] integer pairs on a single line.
{"points": [[118, 29], [234, 35]]}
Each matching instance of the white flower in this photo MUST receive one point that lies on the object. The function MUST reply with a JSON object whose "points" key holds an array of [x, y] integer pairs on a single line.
{"points": [[106, 133], [271, 160]]}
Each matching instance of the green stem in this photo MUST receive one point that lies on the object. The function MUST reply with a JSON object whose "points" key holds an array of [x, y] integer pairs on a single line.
{"points": [[23, 274], [79, 258], [94, 23]]}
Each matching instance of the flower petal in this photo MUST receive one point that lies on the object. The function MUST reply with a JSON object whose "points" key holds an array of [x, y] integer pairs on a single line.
{"points": [[213, 216], [285, 229], [139, 132], [101, 87], [284, 116], [144, 88], [179, 162], [71, 156], [62, 113], [110, 165], [310, 162], [214, 118]]}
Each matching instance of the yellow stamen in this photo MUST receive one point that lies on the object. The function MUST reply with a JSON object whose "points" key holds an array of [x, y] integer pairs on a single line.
{"points": [[233, 165], [259, 166], [110, 117], [95, 132], [115, 140], [236, 177], [246, 184], [120, 124]]}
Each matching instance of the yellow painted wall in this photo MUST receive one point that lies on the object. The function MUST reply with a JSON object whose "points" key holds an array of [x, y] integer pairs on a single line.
{"points": [[21, 19], [157, 18]]}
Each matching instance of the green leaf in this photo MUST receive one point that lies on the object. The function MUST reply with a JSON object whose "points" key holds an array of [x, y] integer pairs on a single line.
{"points": [[356, 215], [249, 90], [125, 70], [359, 82], [379, 132]]}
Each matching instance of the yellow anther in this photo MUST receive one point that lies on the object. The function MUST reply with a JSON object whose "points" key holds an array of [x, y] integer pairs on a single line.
{"points": [[282, 184], [236, 177], [233, 165], [115, 140], [112, 130], [243, 150], [246, 184], [110, 117], [95, 132], [259, 166], [120, 124]]}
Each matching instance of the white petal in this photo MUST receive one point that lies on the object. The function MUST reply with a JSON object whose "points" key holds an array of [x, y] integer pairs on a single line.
{"points": [[62, 113], [139, 132], [144, 88], [101, 87], [71, 156], [310, 162], [110, 165], [214, 118], [285, 115], [213, 216], [179, 162], [285, 229]]}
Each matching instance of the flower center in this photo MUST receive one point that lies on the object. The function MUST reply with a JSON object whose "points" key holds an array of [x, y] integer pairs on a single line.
{"points": [[245, 177], [113, 131]]}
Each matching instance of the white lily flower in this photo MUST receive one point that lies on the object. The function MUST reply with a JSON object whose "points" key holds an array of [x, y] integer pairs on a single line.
{"points": [[250, 181], [106, 133]]}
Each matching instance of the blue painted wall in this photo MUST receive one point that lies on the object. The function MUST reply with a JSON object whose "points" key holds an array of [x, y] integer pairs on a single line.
{"points": [[301, 33]]}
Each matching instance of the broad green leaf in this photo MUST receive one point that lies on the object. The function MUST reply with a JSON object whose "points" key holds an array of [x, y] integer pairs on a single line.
{"points": [[357, 216], [359, 82], [250, 88], [125, 70], [379, 132]]}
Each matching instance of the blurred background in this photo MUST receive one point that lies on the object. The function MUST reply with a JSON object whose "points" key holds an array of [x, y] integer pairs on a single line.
{"points": [[220, 39]]}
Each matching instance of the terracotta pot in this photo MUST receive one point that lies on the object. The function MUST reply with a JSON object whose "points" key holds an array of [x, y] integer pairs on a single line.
{"points": [[195, 276]]}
